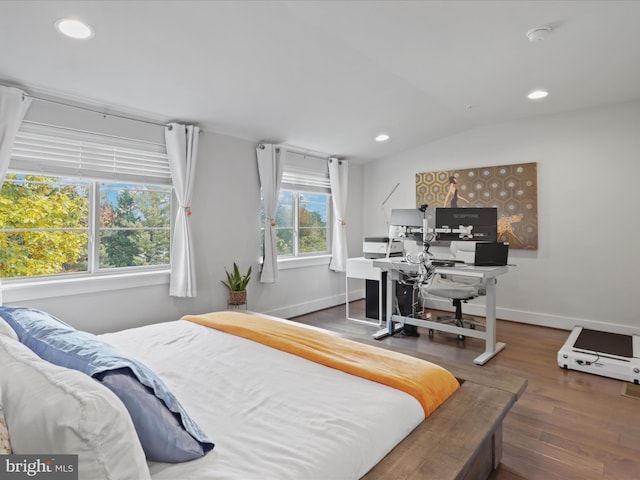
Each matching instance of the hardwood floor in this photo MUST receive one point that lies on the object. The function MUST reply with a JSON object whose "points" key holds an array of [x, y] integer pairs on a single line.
{"points": [[567, 425]]}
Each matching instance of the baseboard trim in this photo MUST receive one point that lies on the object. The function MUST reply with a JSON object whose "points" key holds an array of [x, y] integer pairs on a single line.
{"points": [[291, 311], [537, 318], [513, 315]]}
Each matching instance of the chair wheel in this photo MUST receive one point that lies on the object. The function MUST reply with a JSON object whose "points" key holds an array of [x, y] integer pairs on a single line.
{"points": [[461, 338]]}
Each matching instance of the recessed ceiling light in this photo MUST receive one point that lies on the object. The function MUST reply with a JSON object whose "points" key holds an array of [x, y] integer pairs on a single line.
{"points": [[537, 94], [74, 29], [383, 137]]}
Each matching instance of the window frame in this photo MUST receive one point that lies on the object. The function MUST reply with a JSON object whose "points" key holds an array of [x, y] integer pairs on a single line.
{"points": [[95, 238], [304, 172], [296, 223], [94, 279], [94, 230]]}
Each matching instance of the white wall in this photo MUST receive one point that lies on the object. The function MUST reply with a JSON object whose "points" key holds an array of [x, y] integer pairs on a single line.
{"points": [[226, 214], [228, 193], [584, 271]]}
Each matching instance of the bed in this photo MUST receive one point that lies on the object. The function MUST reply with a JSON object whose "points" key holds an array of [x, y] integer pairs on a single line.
{"points": [[270, 414]]}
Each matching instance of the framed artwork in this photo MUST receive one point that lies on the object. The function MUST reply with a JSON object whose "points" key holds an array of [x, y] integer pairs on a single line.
{"points": [[512, 189]]}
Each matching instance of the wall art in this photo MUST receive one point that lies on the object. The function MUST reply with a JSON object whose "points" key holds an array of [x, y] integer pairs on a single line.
{"points": [[512, 189]]}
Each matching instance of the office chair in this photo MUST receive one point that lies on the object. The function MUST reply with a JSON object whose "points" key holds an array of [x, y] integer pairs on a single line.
{"points": [[458, 289]]}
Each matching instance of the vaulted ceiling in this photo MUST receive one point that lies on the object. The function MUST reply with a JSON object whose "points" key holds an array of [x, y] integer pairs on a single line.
{"points": [[327, 75]]}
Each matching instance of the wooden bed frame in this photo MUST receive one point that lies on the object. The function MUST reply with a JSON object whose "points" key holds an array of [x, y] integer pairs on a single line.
{"points": [[462, 439]]}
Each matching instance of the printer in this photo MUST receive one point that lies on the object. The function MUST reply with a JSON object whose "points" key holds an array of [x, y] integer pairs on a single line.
{"points": [[377, 247]]}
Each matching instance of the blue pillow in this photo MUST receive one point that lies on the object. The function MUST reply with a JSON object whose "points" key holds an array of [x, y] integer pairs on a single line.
{"points": [[141, 400], [166, 432]]}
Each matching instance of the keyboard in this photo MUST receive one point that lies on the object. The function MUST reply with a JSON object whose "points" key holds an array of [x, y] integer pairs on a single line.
{"points": [[438, 262]]}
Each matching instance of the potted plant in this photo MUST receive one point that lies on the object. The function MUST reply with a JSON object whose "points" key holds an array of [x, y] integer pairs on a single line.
{"points": [[237, 284]]}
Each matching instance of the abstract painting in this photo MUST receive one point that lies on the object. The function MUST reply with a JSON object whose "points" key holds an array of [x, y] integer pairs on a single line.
{"points": [[512, 189]]}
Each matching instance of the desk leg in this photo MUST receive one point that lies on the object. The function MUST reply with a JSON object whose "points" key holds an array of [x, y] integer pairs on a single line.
{"points": [[491, 346], [390, 329], [390, 295], [380, 312], [346, 297]]}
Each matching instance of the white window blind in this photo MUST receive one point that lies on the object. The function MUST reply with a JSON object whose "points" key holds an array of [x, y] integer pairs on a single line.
{"points": [[62, 151], [305, 172]]}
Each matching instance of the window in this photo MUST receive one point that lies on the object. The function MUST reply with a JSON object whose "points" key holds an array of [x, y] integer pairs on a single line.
{"points": [[302, 223], [303, 217], [134, 225], [45, 226], [75, 202]]}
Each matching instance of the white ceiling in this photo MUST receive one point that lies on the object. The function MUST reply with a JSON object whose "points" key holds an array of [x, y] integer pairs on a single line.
{"points": [[327, 75]]}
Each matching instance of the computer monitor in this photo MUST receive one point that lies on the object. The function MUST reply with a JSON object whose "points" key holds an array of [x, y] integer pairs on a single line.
{"points": [[406, 217], [406, 223], [453, 224]]}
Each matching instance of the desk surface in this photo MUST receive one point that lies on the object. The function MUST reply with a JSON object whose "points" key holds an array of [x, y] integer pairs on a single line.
{"points": [[360, 267], [461, 269]]}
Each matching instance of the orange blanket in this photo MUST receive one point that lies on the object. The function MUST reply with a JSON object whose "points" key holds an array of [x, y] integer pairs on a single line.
{"points": [[430, 384]]}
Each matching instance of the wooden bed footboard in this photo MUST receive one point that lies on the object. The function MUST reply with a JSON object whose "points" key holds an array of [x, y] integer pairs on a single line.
{"points": [[462, 439]]}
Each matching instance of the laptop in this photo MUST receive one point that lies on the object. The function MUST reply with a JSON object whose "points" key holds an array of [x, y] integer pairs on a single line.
{"points": [[491, 254]]}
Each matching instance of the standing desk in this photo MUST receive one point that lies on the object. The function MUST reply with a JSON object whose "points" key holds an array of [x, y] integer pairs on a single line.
{"points": [[395, 268]]}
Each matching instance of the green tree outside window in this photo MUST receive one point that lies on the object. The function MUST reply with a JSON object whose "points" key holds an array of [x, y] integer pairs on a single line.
{"points": [[45, 227]]}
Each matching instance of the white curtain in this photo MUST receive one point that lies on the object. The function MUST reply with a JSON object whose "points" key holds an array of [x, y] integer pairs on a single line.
{"points": [[270, 167], [13, 106], [182, 150], [338, 176]]}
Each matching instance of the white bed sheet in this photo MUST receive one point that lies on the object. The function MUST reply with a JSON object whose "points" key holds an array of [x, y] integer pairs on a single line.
{"points": [[271, 415]]}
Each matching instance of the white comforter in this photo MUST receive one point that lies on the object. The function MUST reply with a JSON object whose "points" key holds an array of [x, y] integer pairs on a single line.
{"points": [[271, 415]]}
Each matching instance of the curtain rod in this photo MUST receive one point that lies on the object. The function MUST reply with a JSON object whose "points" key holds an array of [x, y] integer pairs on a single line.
{"points": [[86, 109], [301, 151]]}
